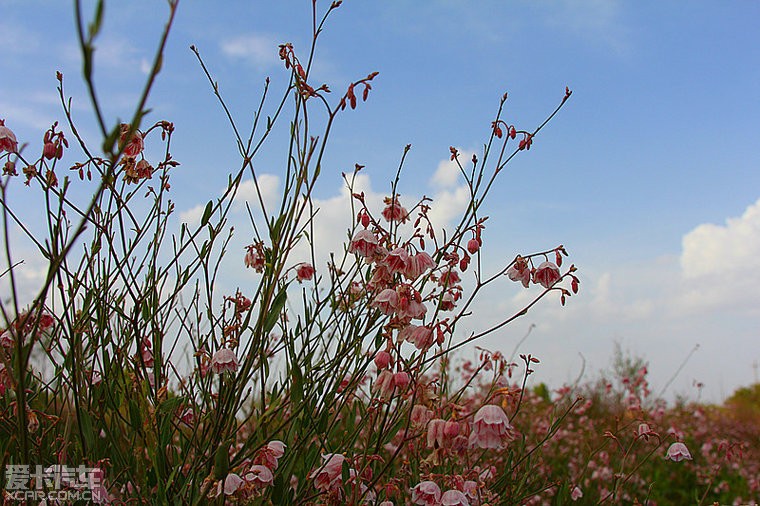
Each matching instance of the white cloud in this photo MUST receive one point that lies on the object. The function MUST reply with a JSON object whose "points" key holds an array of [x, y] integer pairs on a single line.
{"points": [[30, 268], [448, 205], [720, 266], [257, 49], [722, 249], [448, 174], [269, 185], [192, 216]]}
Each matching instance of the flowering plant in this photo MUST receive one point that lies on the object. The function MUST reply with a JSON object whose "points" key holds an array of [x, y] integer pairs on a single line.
{"points": [[319, 383]]}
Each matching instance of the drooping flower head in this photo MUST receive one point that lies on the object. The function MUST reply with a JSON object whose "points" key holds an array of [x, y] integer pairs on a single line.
{"points": [[397, 260], [328, 476], [386, 301], [394, 211], [230, 485], [132, 146], [304, 271], [259, 476], [364, 242], [255, 256], [546, 274], [490, 428], [426, 493], [678, 452], [519, 271], [224, 360], [417, 264], [454, 498], [7, 139]]}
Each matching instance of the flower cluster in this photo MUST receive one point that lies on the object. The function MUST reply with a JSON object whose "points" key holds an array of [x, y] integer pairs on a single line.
{"points": [[253, 476]]}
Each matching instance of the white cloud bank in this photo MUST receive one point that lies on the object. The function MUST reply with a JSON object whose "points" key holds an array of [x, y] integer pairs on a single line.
{"points": [[720, 249]]}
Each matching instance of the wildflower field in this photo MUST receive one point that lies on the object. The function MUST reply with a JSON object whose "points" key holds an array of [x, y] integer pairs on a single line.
{"points": [[320, 382]]}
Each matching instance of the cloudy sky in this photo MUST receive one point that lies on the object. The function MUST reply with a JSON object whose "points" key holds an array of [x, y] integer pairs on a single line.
{"points": [[650, 176]]}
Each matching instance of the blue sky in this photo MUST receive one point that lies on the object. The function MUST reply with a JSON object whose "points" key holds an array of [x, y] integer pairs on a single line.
{"points": [[650, 176]]}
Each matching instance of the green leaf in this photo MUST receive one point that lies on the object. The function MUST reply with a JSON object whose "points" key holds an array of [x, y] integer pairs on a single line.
{"points": [[94, 27], [278, 487], [95, 246], [170, 405], [222, 461], [207, 213], [275, 310], [86, 423], [345, 473], [277, 228], [134, 415], [296, 389], [323, 422]]}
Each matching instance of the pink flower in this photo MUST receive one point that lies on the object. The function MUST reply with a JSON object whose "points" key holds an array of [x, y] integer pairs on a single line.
{"points": [[364, 242], [454, 498], [397, 260], [277, 448], [381, 277], [470, 489], [449, 278], [7, 139], [259, 476], [576, 494], [451, 429], [52, 150], [420, 415], [473, 245], [230, 485], [46, 321], [418, 264], [384, 384], [678, 452], [95, 481], [269, 455], [426, 493], [328, 476], [134, 145], [383, 360], [146, 352], [304, 272], [386, 301], [435, 433], [401, 380], [644, 431], [490, 427], [412, 309], [394, 211], [420, 336], [448, 302], [224, 360], [546, 274], [255, 257], [519, 271]]}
